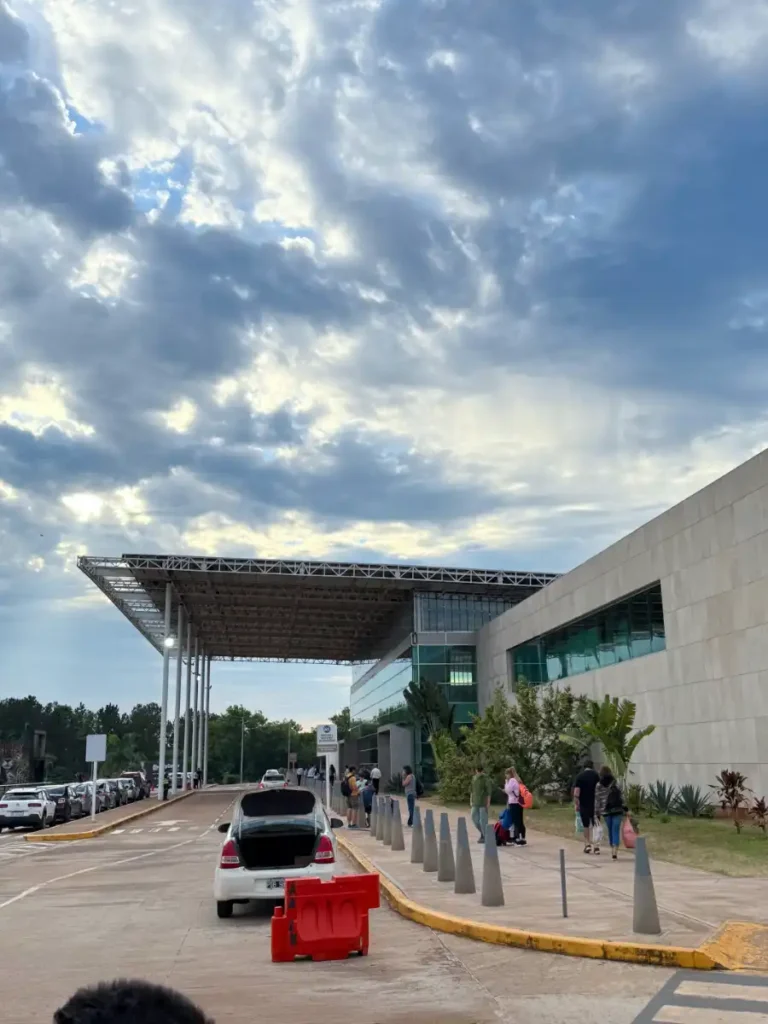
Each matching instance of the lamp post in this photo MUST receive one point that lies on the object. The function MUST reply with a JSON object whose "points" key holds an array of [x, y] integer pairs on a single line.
{"points": [[242, 747]]}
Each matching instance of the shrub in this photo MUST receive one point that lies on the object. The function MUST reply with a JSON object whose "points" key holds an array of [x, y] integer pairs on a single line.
{"points": [[637, 798], [665, 819], [691, 802], [759, 813], [731, 790], [394, 784], [661, 796]]}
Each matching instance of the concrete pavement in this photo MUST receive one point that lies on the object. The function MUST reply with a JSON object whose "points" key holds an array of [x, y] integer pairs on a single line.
{"points": [[140, 904], [692, 904]]}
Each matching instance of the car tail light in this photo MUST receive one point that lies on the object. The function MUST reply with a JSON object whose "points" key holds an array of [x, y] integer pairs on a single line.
{"points": [[324, 853], [229, 855], [3, 805], [34, 804], [261, 785]]}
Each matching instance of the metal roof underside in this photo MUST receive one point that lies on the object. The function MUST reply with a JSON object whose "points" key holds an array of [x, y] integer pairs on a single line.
{"points": [[255, 609]]}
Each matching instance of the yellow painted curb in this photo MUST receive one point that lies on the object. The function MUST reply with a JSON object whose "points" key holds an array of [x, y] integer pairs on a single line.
{"points": [[566, 945], [101, 830], [739, 946]]}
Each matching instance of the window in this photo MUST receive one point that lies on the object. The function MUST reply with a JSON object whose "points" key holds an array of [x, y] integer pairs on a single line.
{"points": [[448, 613], [630, 628]]}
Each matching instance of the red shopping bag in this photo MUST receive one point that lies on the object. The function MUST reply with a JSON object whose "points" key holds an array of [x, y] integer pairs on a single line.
{"points": [[628, 834]]}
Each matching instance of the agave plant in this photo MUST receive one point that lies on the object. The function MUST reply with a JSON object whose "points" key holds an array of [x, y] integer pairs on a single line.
{"points": [[759, 813], [691, 802], [608, 722], [731, 790], [636, 797], [661, 797]]}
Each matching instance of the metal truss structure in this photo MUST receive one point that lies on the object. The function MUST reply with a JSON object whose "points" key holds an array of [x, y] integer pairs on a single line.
{"points": [[255, 609]]}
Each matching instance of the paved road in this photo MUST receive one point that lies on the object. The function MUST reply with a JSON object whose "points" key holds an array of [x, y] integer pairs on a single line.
{"points": [[139, 904], [690, 997]]}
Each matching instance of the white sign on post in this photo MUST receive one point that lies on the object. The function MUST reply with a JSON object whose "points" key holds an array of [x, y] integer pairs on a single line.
{"points": [[95, 751], [327, 739]]}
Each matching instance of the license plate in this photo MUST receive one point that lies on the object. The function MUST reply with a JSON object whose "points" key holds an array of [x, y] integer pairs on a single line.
{"points": [[275, 883], [18, 812]]}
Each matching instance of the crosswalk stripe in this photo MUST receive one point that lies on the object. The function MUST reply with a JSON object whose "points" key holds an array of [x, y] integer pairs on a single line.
{"points": [[117, 831], [712, 990], [174, 829], [707, 1015]]}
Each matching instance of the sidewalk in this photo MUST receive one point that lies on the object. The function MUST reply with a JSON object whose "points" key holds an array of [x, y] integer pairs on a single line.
{"points": [[692, 904]]}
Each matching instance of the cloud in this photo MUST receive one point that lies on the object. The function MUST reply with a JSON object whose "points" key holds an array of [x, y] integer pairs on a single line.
{"points": [[425, 280]]}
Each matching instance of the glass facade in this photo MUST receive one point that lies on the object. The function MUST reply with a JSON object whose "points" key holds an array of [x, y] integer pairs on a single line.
{"points": [[456, 613], [454, 669], [629, 628], [382, 693]]}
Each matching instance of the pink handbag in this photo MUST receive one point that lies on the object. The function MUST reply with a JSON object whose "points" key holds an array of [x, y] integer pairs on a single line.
{"points": [[628, 834]]}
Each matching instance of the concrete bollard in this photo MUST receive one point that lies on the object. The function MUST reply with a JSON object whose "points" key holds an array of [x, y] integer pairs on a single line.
{"points": [[645, 916], [446, 866], [387, 821], [465, 873], [374, 809], [380, 812], [398, 842], [430, 842], [493, 890], [417, 838]]}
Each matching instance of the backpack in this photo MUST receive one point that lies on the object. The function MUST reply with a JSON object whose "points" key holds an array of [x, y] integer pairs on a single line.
{"points": [[345, 787], [526, 797], [419, 788], [501, 833]]}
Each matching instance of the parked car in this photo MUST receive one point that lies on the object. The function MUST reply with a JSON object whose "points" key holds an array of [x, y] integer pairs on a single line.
{"points": [[275, 835], [68, 802], [85, 793], [111, 796], [141, 783], [127, 791], [272, 780], [26, 805]]}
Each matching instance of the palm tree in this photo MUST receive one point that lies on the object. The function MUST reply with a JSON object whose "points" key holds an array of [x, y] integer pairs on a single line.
{"points": [[608, 722], [429, 707]]}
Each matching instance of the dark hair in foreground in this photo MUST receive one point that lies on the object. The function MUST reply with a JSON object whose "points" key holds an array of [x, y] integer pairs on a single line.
{"points": [[129, 1002]]}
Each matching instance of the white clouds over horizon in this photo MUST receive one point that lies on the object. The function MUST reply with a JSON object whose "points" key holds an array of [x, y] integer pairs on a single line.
{"points": [[423, 280]]}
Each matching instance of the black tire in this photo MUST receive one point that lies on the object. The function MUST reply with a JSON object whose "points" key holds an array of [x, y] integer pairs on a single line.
{"points": [[224, 908], [40, 827]]}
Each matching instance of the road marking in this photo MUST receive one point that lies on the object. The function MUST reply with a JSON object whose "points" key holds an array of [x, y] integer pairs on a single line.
{"points": [[117, 831], [174, 829], [717, 999]]}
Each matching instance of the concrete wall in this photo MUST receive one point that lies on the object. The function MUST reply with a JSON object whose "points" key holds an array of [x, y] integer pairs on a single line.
{"points": [[395, 749], [707, 693]]}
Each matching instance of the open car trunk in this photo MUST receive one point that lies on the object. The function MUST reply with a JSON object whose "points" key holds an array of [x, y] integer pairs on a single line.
{"points": [[278, 843]]}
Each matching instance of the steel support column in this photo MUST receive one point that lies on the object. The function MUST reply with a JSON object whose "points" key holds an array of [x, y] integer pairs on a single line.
{"points": [[176, 722], [164, 697], [185, 755], [207, 723], [201, 715], [194, 758]]}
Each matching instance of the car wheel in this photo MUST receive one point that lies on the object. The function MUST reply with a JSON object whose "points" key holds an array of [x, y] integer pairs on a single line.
{"points": [[224, 908], [37, 828]]}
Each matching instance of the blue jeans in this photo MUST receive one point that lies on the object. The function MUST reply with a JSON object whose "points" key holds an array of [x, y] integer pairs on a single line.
{"points": [[411, 804], [613, 828], [480, 820]]}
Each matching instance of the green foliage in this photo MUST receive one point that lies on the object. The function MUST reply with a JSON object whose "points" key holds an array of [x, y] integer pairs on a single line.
{"points": [[429, 707], [636, 797], [665, 819], [454, 770], [661, 797], [731, 790], [343, 722], [394, 784], [610, 723], [691, 802], [759, 813]]}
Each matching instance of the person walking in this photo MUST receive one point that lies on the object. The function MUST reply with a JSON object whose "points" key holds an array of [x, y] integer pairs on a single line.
{"points": [[332, 774], [480, 800], [610, 808], [409, 787], [525, 800], [352, 793], [584, 787], [299, 774], [376, 778], [368, 795], [513, 813]]}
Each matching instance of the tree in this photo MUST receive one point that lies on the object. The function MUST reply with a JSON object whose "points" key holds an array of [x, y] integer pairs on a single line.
{"points": [[608, 722], [429, 707], [343, 722]]}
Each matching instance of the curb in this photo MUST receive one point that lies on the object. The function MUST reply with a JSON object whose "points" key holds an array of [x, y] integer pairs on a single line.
{"points": [[566, 945], [101, 830]]}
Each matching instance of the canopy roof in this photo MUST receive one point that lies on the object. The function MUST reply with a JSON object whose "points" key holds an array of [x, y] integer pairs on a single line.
{"points": [[256, 609]]}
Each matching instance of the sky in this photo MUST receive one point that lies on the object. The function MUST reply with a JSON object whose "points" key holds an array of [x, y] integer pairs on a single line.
{"points": [[437, 281]]}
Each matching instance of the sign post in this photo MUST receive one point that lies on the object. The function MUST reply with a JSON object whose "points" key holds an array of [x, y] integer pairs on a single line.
{"points": [[327, 744], [95, 751]]}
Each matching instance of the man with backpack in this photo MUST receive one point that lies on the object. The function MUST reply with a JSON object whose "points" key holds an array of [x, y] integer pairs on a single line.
{"points": [[350, 791]]}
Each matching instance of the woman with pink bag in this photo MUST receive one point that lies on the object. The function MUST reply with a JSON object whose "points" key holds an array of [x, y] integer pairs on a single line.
{"points": [[610, 808]]}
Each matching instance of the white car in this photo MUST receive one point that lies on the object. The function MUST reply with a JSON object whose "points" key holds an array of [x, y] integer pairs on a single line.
{"points": [[26, 805], [275, 835], [273, 780]]}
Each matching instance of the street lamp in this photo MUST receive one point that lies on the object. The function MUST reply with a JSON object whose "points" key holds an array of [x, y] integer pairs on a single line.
{"points": [[169, 641]]}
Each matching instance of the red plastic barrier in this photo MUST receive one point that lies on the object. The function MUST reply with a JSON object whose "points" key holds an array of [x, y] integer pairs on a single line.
{"points": [[324, 920]]}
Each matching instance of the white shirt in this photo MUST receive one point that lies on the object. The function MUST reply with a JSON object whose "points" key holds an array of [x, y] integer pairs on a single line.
{"points": [[299, 771], [375, 773]]}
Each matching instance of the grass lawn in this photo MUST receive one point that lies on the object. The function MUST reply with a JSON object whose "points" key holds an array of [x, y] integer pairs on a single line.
{"points": [[709, 844]]}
